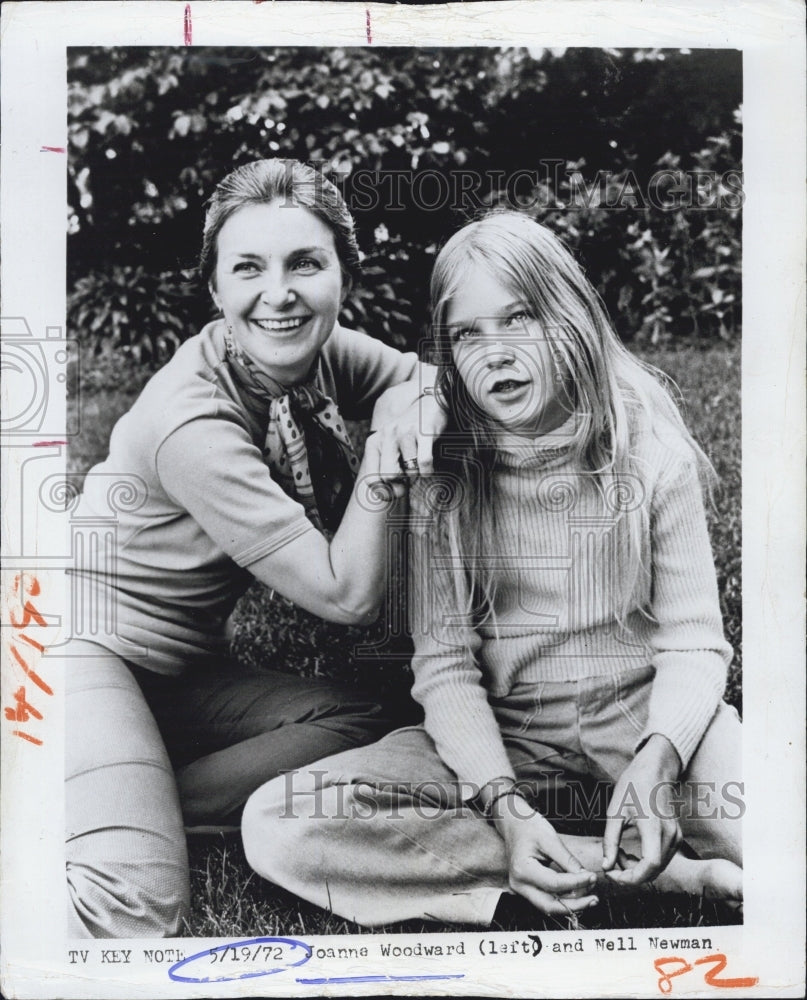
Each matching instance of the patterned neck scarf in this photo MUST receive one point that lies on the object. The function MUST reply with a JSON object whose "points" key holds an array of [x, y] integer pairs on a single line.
{"points": [[307, 447]]}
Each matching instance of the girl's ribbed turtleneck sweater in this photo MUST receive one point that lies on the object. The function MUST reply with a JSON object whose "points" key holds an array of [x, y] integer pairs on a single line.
{"points": [[557, 599]]}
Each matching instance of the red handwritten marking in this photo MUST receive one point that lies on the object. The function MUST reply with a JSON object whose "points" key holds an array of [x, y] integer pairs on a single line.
{"points": [[719, 962], [29, 584], [710, 978], [26, 586], [188, 25], [369, 26], [24, 709], [46, 444], [31, 673], [665, 978], [26, 736], [31, 642], [52, 149], [28, 612]]}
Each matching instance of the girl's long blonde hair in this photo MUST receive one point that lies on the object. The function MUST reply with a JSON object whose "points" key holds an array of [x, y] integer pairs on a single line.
{"points": [[615, 397]]}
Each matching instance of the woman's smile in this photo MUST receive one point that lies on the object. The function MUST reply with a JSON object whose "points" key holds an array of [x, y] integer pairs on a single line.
{"points": [[289, 324]]}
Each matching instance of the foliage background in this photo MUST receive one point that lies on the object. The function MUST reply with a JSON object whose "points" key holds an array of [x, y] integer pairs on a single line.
{"points": [[151, 131]]}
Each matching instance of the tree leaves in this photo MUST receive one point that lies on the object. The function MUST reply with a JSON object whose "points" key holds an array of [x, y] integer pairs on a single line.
{"points": [[182, 118]]}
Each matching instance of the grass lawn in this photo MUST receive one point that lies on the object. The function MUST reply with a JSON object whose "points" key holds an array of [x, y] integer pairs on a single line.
{"points": [[228, 899]]}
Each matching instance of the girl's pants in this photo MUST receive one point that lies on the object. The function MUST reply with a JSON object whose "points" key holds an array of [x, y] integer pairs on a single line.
{"points": [[142, 761], [386, 833]]}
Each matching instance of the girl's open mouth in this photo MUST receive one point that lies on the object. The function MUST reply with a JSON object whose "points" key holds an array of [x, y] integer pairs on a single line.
{"points": [[506, 386]]}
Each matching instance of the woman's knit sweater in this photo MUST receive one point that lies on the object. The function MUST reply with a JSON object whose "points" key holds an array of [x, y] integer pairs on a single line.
{"points": [[557, 599]]}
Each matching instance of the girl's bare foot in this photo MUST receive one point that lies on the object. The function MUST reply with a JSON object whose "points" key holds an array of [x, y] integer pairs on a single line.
{"points": [[715, 878]]}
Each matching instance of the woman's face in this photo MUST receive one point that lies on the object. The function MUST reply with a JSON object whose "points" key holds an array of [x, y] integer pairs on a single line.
{"points": [[278, 281], [504, 357]]}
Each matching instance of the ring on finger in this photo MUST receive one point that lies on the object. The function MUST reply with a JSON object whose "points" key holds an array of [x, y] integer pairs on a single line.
{"points": [[410, 464]]}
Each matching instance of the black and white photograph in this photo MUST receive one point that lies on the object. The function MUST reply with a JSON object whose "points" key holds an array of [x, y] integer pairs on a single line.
{"points": [[389, 573]]}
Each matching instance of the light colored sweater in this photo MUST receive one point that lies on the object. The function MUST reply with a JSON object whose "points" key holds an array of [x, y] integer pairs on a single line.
{"points": [[557, 601], [199, 503]]}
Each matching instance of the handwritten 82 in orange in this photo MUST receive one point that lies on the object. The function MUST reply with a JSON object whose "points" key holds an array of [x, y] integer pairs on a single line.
{"points": [[25, 711], [711, 977]]}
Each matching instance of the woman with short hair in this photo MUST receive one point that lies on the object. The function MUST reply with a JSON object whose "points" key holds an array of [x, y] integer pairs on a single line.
{"points": [[243, 469]]}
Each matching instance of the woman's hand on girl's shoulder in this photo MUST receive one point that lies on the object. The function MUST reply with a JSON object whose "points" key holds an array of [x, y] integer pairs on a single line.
{"points": [[409, 421], [381, 471], [533, 845]]}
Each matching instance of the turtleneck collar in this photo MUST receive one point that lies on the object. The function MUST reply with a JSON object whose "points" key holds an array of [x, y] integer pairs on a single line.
{"points": [[544, 449]]}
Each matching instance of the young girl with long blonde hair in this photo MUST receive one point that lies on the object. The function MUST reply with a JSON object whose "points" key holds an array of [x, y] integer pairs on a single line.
{"points": [[567, 631]]}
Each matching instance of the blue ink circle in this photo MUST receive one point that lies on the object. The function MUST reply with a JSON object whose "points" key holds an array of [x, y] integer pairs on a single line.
{"points": [[290, 943]]}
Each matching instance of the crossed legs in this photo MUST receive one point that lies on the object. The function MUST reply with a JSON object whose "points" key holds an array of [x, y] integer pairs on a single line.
{"points": [[382, 834]]}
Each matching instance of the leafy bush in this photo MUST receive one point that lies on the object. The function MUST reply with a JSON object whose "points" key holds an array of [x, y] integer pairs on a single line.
{"points": [[137, 312], [661, 272], [418, 140]]}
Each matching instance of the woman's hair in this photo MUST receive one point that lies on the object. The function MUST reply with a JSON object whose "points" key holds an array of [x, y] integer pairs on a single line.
{"points": [[614, 395], [295, 183]]}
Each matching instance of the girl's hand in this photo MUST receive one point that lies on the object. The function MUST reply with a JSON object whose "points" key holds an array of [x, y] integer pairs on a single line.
{"points": [[407, 423], [532, 847], [644, 797]]}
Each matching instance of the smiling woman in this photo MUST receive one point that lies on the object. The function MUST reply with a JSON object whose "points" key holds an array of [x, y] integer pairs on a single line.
{"points": [[279, 283], [241, 467]]}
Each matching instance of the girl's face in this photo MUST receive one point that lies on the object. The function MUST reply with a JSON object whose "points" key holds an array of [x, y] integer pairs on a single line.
{"points": [[278, 282], [504, 358]]}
